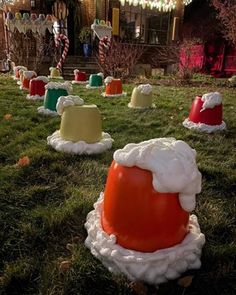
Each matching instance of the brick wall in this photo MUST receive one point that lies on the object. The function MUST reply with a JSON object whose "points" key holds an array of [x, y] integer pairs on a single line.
{"points": [[88, 12], [102, 9], [92, 9], [2, 39]]}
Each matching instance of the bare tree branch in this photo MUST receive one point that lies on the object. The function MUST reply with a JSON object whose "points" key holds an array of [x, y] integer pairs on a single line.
{"points": [[227, 15], [120, 59]]}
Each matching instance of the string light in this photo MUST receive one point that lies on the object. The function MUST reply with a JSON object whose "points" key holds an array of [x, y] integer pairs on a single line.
{"points": [[5, 2], [162, 5]]}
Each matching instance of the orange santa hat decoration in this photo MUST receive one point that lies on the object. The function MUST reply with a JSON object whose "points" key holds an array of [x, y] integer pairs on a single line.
{"points": [[141, 225]]}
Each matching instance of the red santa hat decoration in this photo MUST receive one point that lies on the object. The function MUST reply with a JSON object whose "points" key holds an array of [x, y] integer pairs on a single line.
{"points": [[16, 70], [113, 87], [27, 76], [80, 77], [206, 113], [37, 88]]}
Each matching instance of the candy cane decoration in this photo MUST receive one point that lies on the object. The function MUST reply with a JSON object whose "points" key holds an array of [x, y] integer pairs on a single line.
{"points": [[58, 38], [104, 46]]}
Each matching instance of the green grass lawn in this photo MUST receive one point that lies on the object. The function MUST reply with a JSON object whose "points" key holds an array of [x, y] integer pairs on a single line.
{"points": [[43, 206]]}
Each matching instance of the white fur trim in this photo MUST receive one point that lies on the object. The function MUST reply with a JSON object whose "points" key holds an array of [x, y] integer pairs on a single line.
{"points": [[94, 87], [41, 78], [80, 82], [153, 268], [108, 80], [35, 97], [145, 88], [113, 95], [172, 164], [65, 101], [47, 112], [59, 77], [152, 106], [210, 100], [80, 147], [101, 75], [58, 85], [16, 68], [23, 88], [203, 127], [29, 74]]}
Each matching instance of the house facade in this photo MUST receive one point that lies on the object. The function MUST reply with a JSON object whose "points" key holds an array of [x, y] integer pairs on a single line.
{"points": [[133, 21]]}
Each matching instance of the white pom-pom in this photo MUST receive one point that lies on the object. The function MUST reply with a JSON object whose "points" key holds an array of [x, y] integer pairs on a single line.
{"points": [[108, 80], [145, 88], [66, 101], [210, 100], [101, 75]]}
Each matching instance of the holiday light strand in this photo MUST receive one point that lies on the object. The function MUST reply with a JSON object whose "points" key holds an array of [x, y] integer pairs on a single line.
{"points": [[3, 3], [162, 5]]}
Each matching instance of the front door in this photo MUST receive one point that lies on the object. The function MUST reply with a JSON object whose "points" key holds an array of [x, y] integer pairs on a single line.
{"points": [[74, 25]]}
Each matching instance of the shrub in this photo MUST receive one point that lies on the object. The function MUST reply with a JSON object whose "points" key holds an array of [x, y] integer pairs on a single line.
{"points": [[120, 59]]}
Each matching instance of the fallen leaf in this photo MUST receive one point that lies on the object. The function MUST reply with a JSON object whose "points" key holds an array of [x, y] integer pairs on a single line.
{"points": [[24, 161], [8, 116], [138, 288], [65, 265], [185, 281]]}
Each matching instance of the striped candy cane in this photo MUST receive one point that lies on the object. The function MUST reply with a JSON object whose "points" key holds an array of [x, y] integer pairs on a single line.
{"points": [[104, 46], [58, 38]]}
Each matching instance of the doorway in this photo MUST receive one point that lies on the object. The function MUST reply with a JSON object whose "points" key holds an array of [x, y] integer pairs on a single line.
{"points": [[74, 25]]}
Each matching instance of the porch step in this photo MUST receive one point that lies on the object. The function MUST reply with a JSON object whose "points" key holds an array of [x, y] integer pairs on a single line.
{"points": [[85, 64], [80, 59]]}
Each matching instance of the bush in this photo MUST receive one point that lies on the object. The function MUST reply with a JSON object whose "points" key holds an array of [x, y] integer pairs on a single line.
{"points": [[120, 59]]}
